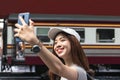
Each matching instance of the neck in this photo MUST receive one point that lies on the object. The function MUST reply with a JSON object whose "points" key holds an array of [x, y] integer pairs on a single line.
{"points": [[68, 61]]}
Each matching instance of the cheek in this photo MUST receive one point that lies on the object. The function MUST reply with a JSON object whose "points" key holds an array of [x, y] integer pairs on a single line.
{"points": [[68, 46], [54, 49]]}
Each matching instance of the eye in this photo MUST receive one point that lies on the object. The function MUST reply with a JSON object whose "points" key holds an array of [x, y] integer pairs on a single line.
{"points": [[55, 42], [63, 40]]}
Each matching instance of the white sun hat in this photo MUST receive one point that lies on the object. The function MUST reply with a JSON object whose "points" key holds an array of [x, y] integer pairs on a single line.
{"points": [[54, 30]]}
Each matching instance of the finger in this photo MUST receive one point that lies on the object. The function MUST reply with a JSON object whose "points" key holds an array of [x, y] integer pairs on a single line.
{"points": [[22, 20], [16, 35], [18, 25], [16, 30], [31, 23]]}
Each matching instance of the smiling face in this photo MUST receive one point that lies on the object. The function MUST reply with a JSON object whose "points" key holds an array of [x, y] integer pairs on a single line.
{"points": [[62, 46]]}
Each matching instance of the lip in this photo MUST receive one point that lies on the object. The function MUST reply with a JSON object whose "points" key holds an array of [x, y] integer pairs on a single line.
{"points": [[60, 50]]}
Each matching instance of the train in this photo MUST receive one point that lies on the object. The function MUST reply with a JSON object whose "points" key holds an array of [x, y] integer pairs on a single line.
{"points": [[100, 39]]}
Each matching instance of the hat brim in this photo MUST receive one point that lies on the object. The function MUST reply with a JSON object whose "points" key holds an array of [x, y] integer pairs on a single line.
{"points": [[53, 32]]}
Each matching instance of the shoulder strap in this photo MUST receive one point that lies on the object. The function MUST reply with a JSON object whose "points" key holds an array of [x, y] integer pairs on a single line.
{"points": [[89, 77]]}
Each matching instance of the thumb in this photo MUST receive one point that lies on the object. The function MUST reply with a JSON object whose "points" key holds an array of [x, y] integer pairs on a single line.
{"points": [[31, 23]]}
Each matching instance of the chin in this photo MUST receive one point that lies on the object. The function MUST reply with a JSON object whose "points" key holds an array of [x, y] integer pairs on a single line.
{"points": [[61, 56]]}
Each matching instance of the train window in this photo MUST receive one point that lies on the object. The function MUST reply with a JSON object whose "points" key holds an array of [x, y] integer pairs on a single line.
{"points": [[81, 32], [42, 34], [105, 35]]}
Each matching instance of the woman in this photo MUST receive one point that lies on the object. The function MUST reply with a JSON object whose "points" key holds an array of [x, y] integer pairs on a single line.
{"points": [[68, 61]]}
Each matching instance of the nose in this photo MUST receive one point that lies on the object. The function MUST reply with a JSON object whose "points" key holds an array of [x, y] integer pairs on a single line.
{"points": [[58, 45]]}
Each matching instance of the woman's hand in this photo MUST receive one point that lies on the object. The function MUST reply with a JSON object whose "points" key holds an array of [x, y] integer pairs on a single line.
{"points": [[26, 32]]}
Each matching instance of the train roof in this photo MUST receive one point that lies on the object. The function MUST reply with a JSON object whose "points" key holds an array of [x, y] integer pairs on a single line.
{"points": [[68, 18]]}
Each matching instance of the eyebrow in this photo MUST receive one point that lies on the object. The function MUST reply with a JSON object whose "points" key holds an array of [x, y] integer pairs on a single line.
{"points": [[62, 37]]}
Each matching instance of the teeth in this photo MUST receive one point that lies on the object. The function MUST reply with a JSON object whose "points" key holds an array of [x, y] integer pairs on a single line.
{"points": [[59, 50]]}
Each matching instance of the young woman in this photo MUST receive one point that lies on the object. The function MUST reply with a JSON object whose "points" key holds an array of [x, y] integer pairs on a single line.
{"points": [[68, 60]]}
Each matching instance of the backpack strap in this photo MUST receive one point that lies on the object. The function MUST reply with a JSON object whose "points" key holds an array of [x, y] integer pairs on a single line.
{"points": [[89, 77]]}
